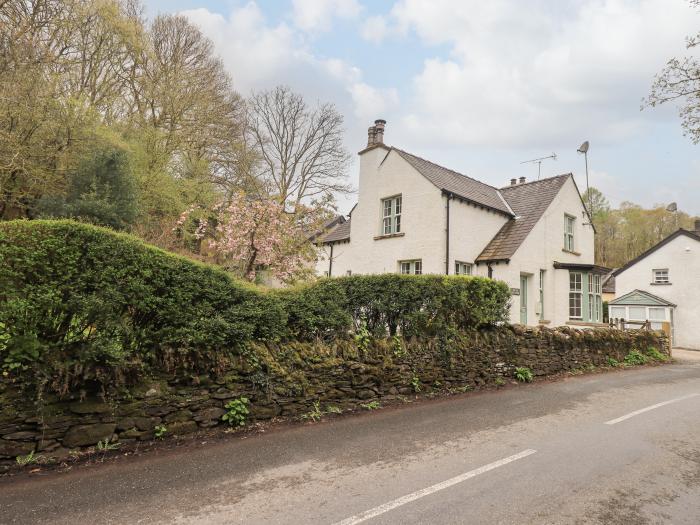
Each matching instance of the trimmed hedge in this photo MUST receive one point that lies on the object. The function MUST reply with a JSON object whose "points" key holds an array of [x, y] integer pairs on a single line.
{"points": [[388, 304], [80, 303]]}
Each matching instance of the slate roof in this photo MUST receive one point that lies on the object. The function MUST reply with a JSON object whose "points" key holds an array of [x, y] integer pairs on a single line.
{"points": [[641, 297], [465, 187], [609, 283], [529, 202], [340, 233]]}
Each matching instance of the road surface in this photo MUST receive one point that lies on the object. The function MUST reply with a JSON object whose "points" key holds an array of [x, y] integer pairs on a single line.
{"points": [[615, 448]]}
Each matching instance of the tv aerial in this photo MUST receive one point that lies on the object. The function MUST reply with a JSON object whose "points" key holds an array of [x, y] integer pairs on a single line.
{"points": [[553, 156]]}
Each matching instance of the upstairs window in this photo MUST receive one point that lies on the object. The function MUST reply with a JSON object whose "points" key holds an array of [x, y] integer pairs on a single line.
{"points": [[411, 267], [391, 215], [660, 276], [462, 268], [569, 225]]}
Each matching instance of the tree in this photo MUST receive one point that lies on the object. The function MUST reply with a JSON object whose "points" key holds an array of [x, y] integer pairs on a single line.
{"points": [[680, 80], [593, 198], [102, 190], [301, 150], [248, 235]]}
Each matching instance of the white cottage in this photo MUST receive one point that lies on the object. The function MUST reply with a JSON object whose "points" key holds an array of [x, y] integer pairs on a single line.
{"points": [[663, 284], [414, 216]]}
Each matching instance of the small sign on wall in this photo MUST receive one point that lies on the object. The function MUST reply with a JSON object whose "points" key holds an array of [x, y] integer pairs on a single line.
{"points": [[515, 291]]}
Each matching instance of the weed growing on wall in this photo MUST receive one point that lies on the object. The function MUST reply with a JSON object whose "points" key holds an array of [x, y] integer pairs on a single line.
{"points": [[523, 374], [236, 412]]}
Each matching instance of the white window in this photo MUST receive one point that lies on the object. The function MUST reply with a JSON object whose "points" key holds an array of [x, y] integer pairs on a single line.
{"points": [[391, 215], [569, 225], [656, 316], [575, 295], [637, 313], [462, 268], [617, 312], [661, 276], [411, 267]]}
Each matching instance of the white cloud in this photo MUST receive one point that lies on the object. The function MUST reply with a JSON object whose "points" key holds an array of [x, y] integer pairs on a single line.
{"points": [[372, 103], [539, 73], [317, 15], [374, 29]]}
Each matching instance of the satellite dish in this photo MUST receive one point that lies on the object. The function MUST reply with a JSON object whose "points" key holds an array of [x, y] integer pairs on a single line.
{"points": [[672, 207], [583, 148]]}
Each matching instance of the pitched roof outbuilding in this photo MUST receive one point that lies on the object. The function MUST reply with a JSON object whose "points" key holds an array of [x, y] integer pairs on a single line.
{"points": [[529, 201]]}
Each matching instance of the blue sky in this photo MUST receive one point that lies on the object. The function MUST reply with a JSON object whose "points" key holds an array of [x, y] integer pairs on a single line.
{"points": [[479, 86]]}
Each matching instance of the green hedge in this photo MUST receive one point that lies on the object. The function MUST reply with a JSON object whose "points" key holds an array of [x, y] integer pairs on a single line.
{"points": [[80, 303], [88, 303], [388, 304]]}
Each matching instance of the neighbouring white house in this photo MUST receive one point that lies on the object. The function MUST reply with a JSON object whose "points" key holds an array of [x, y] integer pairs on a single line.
{"points": [[414, 216], [663, 284]]}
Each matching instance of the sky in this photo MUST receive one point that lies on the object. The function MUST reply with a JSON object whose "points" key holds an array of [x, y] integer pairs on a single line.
{"points": [[479, 86]]}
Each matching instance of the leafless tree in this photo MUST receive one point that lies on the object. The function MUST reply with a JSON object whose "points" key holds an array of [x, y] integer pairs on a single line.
{"points": [[301, 149]]}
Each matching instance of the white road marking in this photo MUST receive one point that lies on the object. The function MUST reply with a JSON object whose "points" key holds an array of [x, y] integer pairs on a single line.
{"points": [[647, 409], [408, 498]]}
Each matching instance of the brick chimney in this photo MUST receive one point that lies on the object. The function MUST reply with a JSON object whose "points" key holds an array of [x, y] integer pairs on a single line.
{"points": [[513, 182], [371, 134], [379, 131], [522, 180]]}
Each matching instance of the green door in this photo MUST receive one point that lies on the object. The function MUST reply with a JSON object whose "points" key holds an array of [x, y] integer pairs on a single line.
{"points": [[523, 299]]}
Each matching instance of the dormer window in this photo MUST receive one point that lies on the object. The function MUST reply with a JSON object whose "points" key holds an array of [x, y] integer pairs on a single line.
{"points": [[391, 215]]}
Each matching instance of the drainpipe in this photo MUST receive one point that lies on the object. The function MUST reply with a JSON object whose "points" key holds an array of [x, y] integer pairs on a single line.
{"points": [[490, 270], [447, 236], [330, 262]]}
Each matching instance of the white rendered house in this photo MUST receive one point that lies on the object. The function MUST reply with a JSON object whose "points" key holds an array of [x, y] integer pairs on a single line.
{"points": [[663, 284], [414, 216]]}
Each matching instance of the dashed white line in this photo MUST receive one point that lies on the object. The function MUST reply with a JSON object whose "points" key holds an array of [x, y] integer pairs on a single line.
{"points": [[647, 409], [382, 509]]}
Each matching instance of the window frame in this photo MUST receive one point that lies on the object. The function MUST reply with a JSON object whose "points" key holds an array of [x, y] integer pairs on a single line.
{"points": [[655, 273], [414, 266], [569, 236], [576, 293], [391, 222], [468, 266]]}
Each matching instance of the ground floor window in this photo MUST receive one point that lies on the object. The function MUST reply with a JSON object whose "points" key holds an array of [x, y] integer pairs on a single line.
{"points": [[462, 268], [414, 267], [575, 295], [655, 314]]}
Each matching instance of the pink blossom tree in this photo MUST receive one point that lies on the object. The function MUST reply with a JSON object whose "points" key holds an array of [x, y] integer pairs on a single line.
{"points": [[248, 235]]}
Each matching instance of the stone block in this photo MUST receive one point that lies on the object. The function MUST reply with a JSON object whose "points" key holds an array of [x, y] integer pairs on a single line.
{"points": [[85, 435]]}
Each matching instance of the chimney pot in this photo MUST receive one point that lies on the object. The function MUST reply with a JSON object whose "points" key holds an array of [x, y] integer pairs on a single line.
{"points": [[522, 180], [513, 182], [697, 225], [379, 131]]}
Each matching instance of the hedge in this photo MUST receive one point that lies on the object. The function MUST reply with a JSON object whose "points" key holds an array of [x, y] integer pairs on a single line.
{"points": [[388, 304], [80, 303]]}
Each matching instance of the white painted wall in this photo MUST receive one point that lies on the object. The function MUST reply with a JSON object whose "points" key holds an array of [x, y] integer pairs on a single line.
{"points": [[543, 246], [682, 258], [471, 229], [422, 219]]}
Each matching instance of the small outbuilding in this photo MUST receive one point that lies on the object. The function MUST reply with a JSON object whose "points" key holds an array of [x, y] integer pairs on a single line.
{"points": [[663, 284]]}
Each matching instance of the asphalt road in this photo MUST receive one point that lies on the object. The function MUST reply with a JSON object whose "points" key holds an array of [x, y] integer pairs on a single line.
{"points": [[615, 448]]}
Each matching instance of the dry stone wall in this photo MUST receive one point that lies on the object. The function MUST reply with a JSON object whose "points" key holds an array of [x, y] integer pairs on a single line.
{"points": [[290, 379]]}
